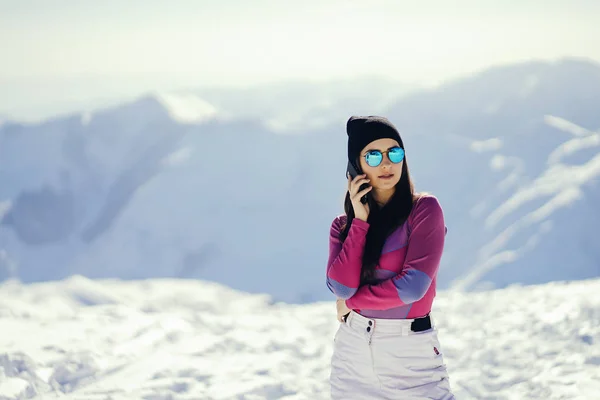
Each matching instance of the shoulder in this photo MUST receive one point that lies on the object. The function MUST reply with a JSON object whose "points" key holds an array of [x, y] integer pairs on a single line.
{"points": [[427, 202], [426, 207]]}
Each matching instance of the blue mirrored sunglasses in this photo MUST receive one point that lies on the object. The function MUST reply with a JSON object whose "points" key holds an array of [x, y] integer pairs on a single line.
{"points": [[375, 157]]}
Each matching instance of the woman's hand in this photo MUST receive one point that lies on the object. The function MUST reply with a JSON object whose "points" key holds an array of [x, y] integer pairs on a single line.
{"points": [[361, 211], [342, 309]]}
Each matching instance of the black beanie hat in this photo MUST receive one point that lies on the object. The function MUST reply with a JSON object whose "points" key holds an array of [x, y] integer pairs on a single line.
{"points": [[362, 130]]}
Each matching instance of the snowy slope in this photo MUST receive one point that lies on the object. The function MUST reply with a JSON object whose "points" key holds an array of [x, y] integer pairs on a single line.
{"points": [[177, 339], [174, 186]]}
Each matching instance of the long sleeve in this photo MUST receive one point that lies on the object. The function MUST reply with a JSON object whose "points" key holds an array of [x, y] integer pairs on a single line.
{"points": [[424, 253], [345, 259]]}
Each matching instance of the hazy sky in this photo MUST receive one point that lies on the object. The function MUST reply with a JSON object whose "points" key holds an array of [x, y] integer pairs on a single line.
{"points": [[102, 48]]}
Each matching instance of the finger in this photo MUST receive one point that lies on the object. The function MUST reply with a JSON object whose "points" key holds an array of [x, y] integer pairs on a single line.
{"points": [[363, 192], [353, 181], [359, 177], [360, 181], [356, 185]]}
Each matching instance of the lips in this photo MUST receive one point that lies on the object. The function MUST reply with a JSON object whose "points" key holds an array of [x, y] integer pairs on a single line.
{"points": [[388, 176]]}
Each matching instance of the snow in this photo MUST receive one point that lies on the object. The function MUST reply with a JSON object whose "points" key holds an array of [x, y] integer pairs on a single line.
{"points": [[187, 108], [189, 339], [177, 157], [566, 126], [560, 181], [14, 388], [481, 146], [573, 146]]}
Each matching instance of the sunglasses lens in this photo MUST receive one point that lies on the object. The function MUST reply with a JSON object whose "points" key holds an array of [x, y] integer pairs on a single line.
{"points": [[396, 154], [374, 158]]}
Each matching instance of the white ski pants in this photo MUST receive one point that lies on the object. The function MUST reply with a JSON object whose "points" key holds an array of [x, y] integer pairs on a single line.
{"points": [[383, 359]]}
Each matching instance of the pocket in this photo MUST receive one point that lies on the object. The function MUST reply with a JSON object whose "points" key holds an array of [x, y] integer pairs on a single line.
{"points": [[420, 352], [433, 357]]}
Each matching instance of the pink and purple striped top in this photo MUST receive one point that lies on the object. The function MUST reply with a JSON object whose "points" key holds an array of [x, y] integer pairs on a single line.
{"points": [[407, 270]]}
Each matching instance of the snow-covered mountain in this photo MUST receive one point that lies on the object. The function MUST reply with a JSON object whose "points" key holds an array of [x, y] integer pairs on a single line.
{"points": [[185, 339], [514, 155], [144, 190], [175, 186]]}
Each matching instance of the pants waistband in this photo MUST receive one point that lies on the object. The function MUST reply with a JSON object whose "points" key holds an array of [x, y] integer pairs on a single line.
{"points": [[381, 325]]}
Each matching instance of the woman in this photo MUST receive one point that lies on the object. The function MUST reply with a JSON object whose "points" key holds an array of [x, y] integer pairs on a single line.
{"points": [[384, 256]]}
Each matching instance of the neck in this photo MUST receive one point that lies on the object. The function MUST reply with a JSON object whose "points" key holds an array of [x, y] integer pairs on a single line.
{"points": [[382, 197]]}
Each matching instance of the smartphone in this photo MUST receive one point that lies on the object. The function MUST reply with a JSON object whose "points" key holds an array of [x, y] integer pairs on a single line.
{"points": [[354, 171]]}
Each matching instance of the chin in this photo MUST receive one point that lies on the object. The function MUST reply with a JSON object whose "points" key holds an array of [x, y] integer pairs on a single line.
{"points": [[387, 185]]}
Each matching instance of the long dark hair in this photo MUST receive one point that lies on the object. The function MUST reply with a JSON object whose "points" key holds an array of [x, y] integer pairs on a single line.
{"points": [[382, 221]]}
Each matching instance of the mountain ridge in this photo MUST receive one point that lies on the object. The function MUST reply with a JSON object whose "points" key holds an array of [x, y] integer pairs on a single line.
{"points": [[223, 197]]}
